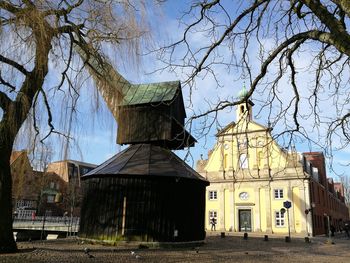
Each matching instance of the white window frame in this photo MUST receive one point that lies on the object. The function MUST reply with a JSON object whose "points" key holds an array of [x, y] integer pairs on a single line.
{"points": [[213, 195], [50, 199], [280, 220], [243, 161], [19, 203], [278, 193], [213, 213]]}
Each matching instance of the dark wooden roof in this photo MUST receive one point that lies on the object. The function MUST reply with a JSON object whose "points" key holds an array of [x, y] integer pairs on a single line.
{"points": [[136, 94], [146, 160], [153, 113]]}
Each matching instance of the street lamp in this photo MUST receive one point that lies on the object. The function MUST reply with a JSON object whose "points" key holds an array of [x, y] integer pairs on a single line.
{"points": [[307, 211], [328, 225], [287, 204]]}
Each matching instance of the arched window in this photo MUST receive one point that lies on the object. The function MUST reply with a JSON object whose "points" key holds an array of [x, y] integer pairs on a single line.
{"points": [[243, 161], [242, 108], [225, 160], [260, 159]]}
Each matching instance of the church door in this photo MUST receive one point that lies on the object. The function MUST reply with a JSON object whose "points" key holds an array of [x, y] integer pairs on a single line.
{"points": [[245, 220]]}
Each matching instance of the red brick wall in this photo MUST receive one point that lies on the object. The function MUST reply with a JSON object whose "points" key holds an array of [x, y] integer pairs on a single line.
{"points": [[317, 160], [326, 200]]}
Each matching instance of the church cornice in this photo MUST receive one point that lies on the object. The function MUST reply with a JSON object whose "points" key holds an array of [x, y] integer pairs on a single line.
{"points": [[233, 180], [245, 132]]}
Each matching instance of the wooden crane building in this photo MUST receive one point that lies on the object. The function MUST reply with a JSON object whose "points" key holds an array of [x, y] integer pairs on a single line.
{"points": [[146, 193]]}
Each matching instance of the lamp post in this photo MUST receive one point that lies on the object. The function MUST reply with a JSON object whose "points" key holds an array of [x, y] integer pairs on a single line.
{"points": [[307, 211], [329, 240], [287, 204], [328, 226], [42, 235]]}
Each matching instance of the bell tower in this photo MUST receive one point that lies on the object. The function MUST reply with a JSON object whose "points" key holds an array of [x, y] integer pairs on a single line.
{"points": [[244, 111]]}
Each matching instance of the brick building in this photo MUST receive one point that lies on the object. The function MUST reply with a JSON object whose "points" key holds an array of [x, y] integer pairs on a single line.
{"points": [[25, 184], [68, 173], [326, 196], [53, 192]]}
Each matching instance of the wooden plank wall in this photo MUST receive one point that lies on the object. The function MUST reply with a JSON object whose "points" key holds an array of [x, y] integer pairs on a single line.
{"points": [[155, 208]]}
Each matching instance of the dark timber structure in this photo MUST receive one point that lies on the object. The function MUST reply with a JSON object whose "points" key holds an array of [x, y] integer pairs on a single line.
{"points": [[146, 193]]}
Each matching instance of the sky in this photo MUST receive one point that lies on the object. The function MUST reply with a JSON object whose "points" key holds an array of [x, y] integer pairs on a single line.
{"points": [[95, 132]]}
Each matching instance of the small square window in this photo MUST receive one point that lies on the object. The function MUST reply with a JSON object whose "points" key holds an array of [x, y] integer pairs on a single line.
{"points": [[213, 195], [278, 193], [50, 198]]}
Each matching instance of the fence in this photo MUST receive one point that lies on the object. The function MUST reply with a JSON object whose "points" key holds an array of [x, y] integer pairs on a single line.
{"points": [[67, 224]]}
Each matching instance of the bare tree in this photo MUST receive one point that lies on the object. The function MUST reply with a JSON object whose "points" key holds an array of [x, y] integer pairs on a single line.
{"points": [[345, 180], [293, 55], [39, 65]]}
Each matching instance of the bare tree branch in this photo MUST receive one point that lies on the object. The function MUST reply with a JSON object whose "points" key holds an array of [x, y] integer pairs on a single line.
{"points": [[5, 101], [13, 64]]}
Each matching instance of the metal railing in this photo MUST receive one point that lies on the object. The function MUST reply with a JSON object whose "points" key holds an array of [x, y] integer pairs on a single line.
{"points": [[49, 219], [45, 223]]}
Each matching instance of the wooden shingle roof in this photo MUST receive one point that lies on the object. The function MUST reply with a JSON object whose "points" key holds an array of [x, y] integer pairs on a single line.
{"points": [[135, 94], [146, 160]]}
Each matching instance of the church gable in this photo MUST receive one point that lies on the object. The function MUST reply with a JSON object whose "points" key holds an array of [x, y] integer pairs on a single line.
{"points": [[246, 149]]}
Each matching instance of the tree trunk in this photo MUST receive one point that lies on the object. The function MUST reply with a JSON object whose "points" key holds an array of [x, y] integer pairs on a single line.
{"points": [[7, 242]]}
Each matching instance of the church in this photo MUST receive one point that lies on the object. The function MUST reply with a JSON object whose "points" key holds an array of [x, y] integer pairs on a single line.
{"points": [[252, 178]]}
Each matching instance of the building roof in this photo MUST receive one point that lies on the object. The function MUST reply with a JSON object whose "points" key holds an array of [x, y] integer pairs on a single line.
{"points": [[75, 162], [149, 93], [146, 160], [313, 153], [232, 124], [243, 92]]}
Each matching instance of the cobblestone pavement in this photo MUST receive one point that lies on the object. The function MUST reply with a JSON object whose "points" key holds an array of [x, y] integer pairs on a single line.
{"points": [[215, 249]]}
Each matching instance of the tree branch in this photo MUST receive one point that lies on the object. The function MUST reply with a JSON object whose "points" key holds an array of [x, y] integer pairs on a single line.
{"points": [[225, 34], [344, 5], [49, 121], [14, 64], [340, 37], [63, 12], [9, 7], [68, 29], [5, 101], [295, 89], [4, 82]]}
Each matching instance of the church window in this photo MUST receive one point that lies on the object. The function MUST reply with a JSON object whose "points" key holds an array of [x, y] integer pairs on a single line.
{"points": [[213, 195], [260, 159], [279, 219], [225, 161], [278, 193], [213, 214], [242, 109], [243, 161], [243, 144]]}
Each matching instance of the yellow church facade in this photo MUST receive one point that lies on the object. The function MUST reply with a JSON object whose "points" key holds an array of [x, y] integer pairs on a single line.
{"points": [[250, 179]]}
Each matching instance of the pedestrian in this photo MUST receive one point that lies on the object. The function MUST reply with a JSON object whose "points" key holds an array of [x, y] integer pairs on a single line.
{"points": [[213, 224], [15, 214], [332, 230], [346, 229], [65, 215], [33, 217]]}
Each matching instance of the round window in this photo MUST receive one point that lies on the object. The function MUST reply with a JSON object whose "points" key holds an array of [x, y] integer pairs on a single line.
{"points": [[244, 196]]}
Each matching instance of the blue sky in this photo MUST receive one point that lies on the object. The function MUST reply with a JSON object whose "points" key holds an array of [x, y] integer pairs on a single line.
{"points": [[95, 131]]}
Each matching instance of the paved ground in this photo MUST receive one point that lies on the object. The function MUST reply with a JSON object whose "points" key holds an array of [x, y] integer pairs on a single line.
{"points": [[215, 249]]}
